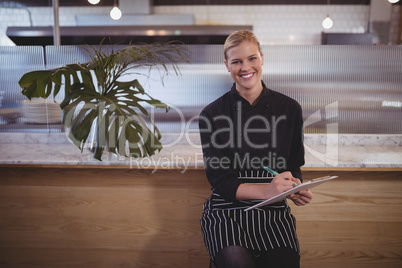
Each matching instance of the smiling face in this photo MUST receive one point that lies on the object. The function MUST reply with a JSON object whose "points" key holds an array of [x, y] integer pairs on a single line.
{"points": [[244, 62]]}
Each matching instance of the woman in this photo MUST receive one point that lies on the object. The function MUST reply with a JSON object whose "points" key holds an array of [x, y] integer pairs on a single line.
{"points": [[249, 128]]}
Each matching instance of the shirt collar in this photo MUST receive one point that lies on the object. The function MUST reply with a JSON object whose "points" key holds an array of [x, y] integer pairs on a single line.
{"points": [[263, 99]]}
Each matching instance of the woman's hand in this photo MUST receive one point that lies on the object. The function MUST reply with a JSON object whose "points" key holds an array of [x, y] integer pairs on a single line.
{"points": [[281, 183], [302, 197]]}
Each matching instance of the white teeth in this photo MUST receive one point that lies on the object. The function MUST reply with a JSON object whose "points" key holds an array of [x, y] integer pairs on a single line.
{"points": [[247, 76]]}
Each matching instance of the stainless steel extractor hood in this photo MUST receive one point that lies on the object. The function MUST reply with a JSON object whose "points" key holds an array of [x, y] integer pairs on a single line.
{"points": [[77, 35], [137, 24]]}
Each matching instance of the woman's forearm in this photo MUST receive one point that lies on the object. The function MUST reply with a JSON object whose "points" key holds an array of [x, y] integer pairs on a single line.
{"points": [[281, 183]]}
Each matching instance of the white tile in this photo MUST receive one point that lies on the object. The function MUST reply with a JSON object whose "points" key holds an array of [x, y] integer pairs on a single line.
{"points": [[274, 22]]}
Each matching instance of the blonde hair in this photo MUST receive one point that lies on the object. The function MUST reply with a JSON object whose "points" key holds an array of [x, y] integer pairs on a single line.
{"points": [[237, 37]]}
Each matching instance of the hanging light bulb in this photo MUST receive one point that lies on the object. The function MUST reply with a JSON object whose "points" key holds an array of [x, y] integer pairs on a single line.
{"points": [[393, 1], [327, 23], [94, 2], [115, 13]]}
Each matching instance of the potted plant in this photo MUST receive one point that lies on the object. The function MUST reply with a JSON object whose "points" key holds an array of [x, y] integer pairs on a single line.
{"points": [[97, 100]]}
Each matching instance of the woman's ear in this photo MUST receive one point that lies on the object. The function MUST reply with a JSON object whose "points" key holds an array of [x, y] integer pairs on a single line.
{"points": [[226, 64], [262, 58]]}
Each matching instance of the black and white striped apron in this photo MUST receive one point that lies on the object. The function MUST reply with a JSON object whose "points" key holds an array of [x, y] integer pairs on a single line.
{"points": [[226, 224]]}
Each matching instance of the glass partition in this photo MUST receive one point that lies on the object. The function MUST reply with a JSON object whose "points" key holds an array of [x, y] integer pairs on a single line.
{"points": [[14, 62], [359, 88], [363, 84]]}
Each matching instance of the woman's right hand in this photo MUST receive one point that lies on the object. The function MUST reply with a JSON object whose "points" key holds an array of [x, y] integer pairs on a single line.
{"points": [[281, 183]]}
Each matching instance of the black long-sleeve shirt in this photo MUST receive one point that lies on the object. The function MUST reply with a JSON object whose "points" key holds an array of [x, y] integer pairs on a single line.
{"points": [[239, 138]]}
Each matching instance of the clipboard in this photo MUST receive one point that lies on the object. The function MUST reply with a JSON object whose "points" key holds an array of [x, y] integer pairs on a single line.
{"points": [[304, 186]]}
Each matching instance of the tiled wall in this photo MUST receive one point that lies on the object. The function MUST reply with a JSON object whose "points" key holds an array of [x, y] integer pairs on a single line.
{"points": [[41, 16], [273, 24], [282, 24]]}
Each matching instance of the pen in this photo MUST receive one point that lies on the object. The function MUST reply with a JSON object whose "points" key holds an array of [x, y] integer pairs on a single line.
{"points": [[273, 172]]}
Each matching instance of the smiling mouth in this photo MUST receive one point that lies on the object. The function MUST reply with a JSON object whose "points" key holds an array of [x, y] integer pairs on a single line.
{"points": [[246, 76]]}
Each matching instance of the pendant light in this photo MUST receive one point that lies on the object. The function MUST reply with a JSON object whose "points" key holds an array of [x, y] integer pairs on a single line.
{"points": [[327, 23], [94, 2], [115, 13], [393, 1]]}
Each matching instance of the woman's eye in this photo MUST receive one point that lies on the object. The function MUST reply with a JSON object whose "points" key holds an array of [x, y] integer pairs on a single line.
{"points": [[253, 58], [236, 62]]}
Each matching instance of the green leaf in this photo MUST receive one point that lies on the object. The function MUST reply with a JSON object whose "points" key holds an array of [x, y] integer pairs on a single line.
{"points": [[34, 84], [115, 111]]}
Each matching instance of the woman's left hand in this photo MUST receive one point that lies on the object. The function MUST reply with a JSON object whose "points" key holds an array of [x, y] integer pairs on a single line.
{"points": [[302, 197]]}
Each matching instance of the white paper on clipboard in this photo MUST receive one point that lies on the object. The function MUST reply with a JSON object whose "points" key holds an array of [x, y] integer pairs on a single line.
{"points": [[303, 186]]}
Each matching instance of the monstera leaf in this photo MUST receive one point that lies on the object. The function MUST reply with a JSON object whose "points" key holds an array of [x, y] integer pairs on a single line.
{"points": [[97, 102]]}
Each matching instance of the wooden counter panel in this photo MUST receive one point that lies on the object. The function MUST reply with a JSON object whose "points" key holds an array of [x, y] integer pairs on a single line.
{"points": [[354, 221], [66, 217]]}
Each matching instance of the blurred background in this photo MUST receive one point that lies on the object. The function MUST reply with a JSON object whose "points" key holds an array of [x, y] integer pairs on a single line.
{"points": [[62, 208], [355, 65]]}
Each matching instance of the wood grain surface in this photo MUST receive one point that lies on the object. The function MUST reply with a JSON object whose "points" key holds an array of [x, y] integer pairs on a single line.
{"points": [[88, 217]]}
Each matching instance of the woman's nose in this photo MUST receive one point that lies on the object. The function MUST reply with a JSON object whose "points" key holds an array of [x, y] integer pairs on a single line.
{"points": [[245, 66]]}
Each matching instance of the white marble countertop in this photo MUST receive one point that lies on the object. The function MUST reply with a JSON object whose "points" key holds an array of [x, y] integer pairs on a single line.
{"points": [[338, 151]]}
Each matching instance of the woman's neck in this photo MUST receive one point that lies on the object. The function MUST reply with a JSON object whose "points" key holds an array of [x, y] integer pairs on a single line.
{"points": [[251, 95]]}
